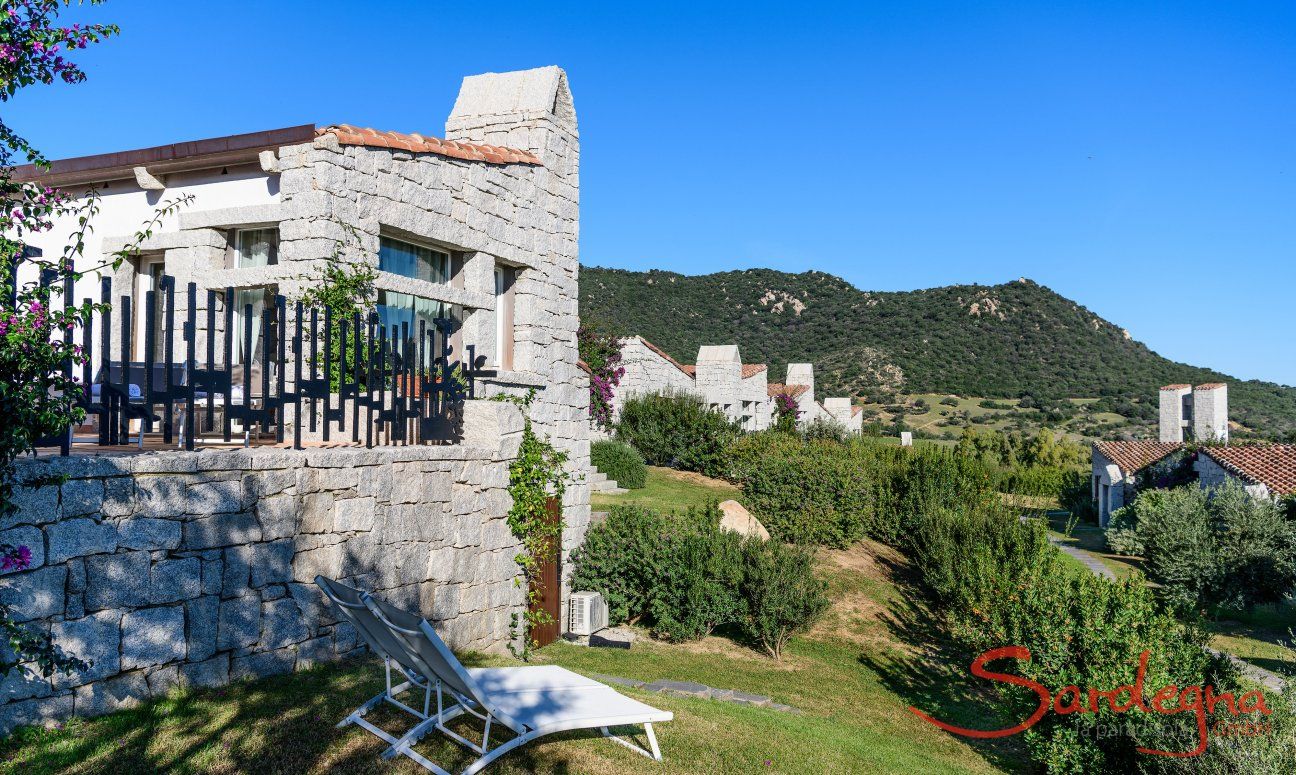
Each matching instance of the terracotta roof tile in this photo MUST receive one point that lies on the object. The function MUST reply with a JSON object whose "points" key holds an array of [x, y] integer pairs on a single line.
{"points": [[752, 369], [778, 388], [1133, 456], [1176, 387], [1271, 465], [686, 369], [856, 410], [689, 369], [1211, 386], [416, 143]]}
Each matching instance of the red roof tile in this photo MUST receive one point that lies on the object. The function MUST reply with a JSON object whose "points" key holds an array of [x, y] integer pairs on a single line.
{"points": [[1176, 387], [1271, 465], [689, 369], [1211, 386], [752, 369], [1131, 456], [416, 143], [686, 369], [778, 388], [856, 410]]}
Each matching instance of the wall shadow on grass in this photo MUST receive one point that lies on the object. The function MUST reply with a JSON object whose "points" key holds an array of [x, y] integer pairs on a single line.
{"points": [[283, 724], [933, 674]]}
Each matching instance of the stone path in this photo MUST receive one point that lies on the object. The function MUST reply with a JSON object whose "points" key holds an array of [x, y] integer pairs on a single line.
{"points": [[1266, 678], [1087, 559], [697, 690]]}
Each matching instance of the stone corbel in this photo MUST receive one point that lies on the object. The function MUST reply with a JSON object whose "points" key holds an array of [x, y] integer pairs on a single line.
{"points": [[269, 162], [147, 180]]}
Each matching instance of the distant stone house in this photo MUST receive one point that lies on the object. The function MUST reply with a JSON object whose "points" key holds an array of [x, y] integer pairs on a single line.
{"points": [[1191, 414], [195, 568], [800, 385], [721, 380]]}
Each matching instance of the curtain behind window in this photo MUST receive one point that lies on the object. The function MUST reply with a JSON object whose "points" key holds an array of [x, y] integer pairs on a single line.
{"points": [[257, 247], [415, 261]]}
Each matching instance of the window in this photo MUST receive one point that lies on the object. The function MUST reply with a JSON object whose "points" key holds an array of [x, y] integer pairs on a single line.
{"points": [[504, 277], [260, 300], [395, 309], [149, 275], [256, 247], [416, 261]]}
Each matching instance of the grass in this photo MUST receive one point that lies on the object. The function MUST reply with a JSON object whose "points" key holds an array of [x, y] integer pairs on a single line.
{"points": [[853, 677], [667, 489]]}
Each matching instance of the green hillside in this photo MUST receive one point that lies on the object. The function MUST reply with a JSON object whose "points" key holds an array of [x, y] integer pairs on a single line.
{"points": [[1002, 341]]}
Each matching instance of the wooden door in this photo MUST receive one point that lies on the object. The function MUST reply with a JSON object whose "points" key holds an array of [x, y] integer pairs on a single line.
{"points": [[548, 585]]}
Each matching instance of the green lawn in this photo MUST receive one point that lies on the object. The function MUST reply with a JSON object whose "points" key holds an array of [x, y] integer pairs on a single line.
{"points": [[668, 489], [854, 677]]}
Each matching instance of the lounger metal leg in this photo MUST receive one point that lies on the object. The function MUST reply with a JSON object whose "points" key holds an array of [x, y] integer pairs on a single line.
{"points": [[481, 763], [654, 754]]}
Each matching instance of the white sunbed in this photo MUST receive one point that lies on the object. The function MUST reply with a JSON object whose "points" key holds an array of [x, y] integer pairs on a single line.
{"points": [[530, 701]]}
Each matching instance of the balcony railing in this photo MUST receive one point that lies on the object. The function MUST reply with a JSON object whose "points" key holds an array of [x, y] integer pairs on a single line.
{"points": [[331, 378]]}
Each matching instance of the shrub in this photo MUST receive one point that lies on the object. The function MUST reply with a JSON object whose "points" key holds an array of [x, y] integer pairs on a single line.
{"points": [[1122, 535], [820, 429], [620, 462], [677, 431], [949, 401], [698, 586], [1217, 547], [833, 493], [684, 576], [619, 559], [1039, 481], [780, 593]]}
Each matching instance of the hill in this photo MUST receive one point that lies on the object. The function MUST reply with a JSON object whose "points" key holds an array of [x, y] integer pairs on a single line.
{"points": [[1014, 340]]}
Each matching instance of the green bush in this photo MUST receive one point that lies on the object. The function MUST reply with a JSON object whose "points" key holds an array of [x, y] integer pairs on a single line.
{"points": [[1219, 547], [684, 576], [780, 593], [621, 462], [677, 431], [1122, 533], [821, 429], [698, 586], [1040, 481], [831, 493]]}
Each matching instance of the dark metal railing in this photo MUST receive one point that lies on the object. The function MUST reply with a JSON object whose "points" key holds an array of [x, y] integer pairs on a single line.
{"points": [[351, 375]]}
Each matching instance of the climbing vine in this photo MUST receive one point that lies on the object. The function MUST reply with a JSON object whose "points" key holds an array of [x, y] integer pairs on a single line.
{"points": [[534, 477]]}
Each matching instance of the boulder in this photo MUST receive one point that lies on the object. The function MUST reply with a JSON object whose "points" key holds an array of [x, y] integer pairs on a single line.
{"points": [[739, 520]]}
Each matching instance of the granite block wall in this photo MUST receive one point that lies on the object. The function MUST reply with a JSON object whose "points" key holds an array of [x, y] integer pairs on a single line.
{"points": [[173, 568]]}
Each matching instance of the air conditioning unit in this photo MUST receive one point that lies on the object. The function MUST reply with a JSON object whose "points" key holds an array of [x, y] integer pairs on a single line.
{"points": [[589, 613]]}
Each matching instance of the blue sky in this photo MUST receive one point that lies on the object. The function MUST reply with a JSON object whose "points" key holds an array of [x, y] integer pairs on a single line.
{"points": [[1139, 158]]}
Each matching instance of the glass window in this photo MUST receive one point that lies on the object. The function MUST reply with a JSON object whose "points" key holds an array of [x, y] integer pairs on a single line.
{"points": [[395, 309], [415, 261], [261, 301], [256, 247]]}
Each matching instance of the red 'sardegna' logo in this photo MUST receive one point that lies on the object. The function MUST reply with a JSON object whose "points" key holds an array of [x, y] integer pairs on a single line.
{"points": [[1197, 700]]}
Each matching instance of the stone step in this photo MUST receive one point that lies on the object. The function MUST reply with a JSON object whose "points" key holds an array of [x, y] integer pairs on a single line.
{"points": [[596, 477], [615, 491]]}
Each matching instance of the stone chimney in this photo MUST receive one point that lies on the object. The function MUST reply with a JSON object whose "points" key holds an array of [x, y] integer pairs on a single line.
{"points": [[527, 109], [840, 409], [719, 372], [1210, 412], [801, 374], [1176, 412]]}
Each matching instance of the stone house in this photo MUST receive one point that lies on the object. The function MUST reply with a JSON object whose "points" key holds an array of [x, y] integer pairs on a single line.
{"points": [[1189, 414], [171, 567], [721, 379], [800, 385]]}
